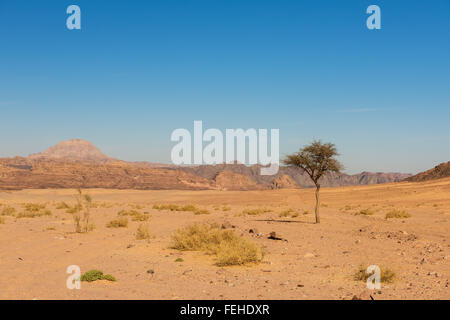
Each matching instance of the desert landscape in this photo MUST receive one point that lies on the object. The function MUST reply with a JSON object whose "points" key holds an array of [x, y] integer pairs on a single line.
{"points": [[302, 260], [150, 231], [225, 150]]}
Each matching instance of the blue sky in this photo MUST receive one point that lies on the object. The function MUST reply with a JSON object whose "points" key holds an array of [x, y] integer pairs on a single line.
{"points": [[137, 70]]}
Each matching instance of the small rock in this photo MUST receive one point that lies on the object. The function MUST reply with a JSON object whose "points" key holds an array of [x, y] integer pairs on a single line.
{"points": [[226, 225], [365, 295], [150, 271]]}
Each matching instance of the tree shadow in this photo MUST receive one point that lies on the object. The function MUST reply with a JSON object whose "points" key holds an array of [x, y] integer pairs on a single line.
{"points": [[285, 221]]}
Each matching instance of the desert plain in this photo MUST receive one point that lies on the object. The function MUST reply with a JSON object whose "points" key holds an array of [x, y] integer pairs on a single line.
{"points": [[304, 261]]}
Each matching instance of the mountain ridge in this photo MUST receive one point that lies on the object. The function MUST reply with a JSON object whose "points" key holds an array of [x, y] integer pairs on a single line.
{"points": [[77, 163]]}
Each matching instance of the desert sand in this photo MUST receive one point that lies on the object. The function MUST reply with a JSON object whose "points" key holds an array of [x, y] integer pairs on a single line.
{"points": [[318, 261]]}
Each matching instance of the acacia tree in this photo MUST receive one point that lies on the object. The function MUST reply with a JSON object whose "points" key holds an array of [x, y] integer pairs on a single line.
{"points": [[316, 160]]}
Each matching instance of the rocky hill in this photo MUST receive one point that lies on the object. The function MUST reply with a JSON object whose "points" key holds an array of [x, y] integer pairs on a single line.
{"points": [[75, 149], [440, 171]]}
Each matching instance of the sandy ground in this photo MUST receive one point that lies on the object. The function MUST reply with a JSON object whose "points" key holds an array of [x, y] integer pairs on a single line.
{"points": [[317, 261]]}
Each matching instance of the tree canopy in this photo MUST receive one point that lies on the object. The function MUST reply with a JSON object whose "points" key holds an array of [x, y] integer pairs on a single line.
{"points": [[316, 159]]}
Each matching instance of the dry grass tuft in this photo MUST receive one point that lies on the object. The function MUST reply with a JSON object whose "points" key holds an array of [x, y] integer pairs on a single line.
{"points": [[118, 223], [228, 248], [201, 211], [364, 212], [289, 213], [257, 211], [135, 215], [62, 205], [397, 214], [33, 207], [185, 208], [33, 214], [387, 274], [142, 232], [2, 220], [8, 211]]}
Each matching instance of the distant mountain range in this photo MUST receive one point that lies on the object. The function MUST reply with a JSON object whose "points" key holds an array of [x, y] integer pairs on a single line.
{"points": [[78, 163]]}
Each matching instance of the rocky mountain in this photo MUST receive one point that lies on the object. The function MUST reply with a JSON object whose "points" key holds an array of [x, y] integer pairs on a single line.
{"points": [[75, 149], [440, 171], [79, 164]]}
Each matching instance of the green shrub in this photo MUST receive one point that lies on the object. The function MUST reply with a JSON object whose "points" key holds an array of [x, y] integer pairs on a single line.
{"points": [[94, 275]]}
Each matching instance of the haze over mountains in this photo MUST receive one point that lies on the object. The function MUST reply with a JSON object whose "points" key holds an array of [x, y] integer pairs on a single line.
{"points": [[78, 163]]}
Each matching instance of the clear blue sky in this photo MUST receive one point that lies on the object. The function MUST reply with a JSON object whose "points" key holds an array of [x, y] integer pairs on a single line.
{"points": [[140, 69]]}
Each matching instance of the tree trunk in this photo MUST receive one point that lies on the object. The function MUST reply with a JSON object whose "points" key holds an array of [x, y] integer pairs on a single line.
{"points": [[317, 204]]}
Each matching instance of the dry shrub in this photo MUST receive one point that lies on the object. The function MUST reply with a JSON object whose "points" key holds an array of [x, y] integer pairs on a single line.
{"points": [[33, 214], [398, 214], [142, 232], [62, 205], [364, 212], [136, 206], [118, 223], [8, 211], [135, 215], [33, 207], [102, 205], [289, 213], [2, 220], [226, 208], [74, 209], [184, 208], [257, 211], [201, 211], [169, 207], [81, 212], [228, 248], [387, 274]]}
